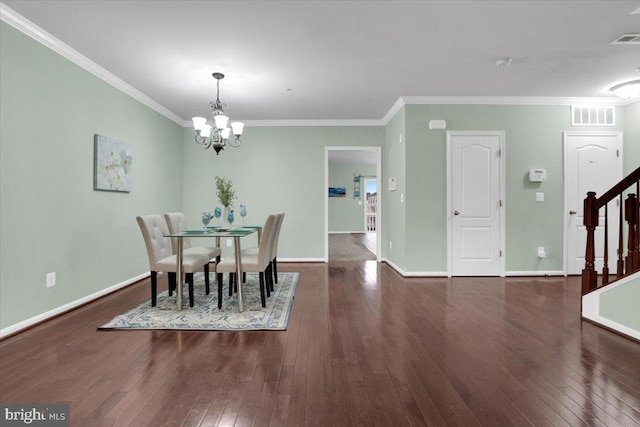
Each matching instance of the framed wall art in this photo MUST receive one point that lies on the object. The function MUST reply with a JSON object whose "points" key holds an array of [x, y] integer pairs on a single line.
{"points": [[112, 165]]}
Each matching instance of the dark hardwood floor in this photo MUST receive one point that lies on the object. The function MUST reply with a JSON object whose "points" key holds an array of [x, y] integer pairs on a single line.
{"points": [[364, 347]]}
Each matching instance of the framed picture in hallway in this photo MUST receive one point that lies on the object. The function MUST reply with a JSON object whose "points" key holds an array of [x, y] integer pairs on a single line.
{"points": [[337, 191]]}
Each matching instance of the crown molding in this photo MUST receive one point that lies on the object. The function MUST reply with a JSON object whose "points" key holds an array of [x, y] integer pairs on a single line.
{"points": [[284, 123], [30, 29], [510, 100]]}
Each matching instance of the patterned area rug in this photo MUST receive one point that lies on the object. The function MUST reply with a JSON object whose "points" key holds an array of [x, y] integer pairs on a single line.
{"points": [[205, 315]]}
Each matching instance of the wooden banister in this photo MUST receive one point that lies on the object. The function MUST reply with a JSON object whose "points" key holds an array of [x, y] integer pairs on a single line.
{"points": [[631, 208]]}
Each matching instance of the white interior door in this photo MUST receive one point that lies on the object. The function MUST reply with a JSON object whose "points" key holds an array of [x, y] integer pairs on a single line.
{"points": [[475, 176], [592, 162]]}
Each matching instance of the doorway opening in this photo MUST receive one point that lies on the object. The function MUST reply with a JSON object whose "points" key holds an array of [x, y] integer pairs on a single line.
{"points": [[352, 213]]}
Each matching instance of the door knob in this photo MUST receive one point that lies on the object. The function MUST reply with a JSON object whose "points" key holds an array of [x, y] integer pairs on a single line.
{"points": [[572, 212], [456, 213]]}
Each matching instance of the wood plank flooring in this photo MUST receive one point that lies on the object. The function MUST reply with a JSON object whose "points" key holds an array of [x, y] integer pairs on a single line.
{"points": [[364, 347]]}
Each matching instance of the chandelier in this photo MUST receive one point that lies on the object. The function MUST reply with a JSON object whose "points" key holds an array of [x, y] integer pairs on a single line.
{"points": [[217, 134]]}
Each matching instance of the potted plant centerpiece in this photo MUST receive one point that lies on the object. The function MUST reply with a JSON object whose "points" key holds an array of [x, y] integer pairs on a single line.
{"points": [[226, 195]]}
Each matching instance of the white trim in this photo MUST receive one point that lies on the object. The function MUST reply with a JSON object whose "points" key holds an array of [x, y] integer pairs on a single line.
{"points": [[347, 232], [502, 191], [310, 123], [378, 151], [9, 330], [397, 106], [565, 220], [534, 273], [591, 308], [300, 260], [403, 273], [30, 29], [511, 100]]}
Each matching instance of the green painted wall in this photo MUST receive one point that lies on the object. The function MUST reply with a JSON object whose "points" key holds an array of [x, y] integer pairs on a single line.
{"points": [[621, 303], [276, 169], [51, 219], [533, 140], [394, 228], [631, 126], [346, 214]]}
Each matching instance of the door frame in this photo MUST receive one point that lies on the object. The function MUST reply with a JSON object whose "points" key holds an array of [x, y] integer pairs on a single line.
{"points": [[363, 191], [502, 212], [565, 221], [378, 152]]}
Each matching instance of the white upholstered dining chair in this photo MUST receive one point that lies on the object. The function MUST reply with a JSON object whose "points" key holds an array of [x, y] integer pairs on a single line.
{"points": [[273, 266], [161, 256], [258, 263], [176, 223]]}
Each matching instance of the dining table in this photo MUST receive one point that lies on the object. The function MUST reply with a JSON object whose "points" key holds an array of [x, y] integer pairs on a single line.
{"points": [[217, 232]]}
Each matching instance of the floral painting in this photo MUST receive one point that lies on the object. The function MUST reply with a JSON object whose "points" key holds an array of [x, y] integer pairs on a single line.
{"points": [[112, 165]]}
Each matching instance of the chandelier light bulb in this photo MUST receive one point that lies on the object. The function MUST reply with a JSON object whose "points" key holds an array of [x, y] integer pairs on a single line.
{"points": [[237, 127], [221, 121], [199, 123], [225, 133], [205, 132]]}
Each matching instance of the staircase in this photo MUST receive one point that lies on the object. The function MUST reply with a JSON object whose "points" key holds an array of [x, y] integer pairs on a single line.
{"points": [[613, 300]]}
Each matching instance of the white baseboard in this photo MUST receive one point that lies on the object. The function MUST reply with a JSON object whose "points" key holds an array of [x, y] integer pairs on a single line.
{"points": [[591, 308], [347, 232], [301, 260], [9, 330], [414, 273], [534, 273]]}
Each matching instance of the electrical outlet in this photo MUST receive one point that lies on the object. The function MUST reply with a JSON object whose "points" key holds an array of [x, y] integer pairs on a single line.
{"points": [[541, 252], [539, 197], [51, 279], [229, 242], [390, 244]]}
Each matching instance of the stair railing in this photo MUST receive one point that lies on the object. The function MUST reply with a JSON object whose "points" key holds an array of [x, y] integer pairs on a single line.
{"points": [[626, 263]]}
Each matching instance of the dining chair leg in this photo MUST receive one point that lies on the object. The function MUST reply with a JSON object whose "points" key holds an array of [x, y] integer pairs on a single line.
{"points": [[154, 287], [244, 277], [206, 278], [270, 277], [267, 275], [172, 282], [275, 269], [231, 284], [190, 282], [262, 297], [219, 279]]}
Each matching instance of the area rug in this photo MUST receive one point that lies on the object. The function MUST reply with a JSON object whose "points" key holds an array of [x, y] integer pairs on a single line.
{"points": [[205, 315]]}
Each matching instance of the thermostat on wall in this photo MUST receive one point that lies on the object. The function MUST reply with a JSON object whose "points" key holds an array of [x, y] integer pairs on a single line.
{"points": [[537, 175], [393, 186]]}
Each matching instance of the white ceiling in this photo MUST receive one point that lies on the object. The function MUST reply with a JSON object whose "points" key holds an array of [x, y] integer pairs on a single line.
{"points": [[346, 60]]}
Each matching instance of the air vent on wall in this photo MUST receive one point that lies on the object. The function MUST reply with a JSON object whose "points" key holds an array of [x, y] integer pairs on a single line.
{"points": [[627, 39], [585, 115]]}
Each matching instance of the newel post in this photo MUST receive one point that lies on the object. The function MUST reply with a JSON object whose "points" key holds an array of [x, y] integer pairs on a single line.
{"points": [[589, 274], [630, 215]]}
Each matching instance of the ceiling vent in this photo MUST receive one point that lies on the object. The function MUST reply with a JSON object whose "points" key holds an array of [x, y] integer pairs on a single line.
{"points": [[627, 39]]}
